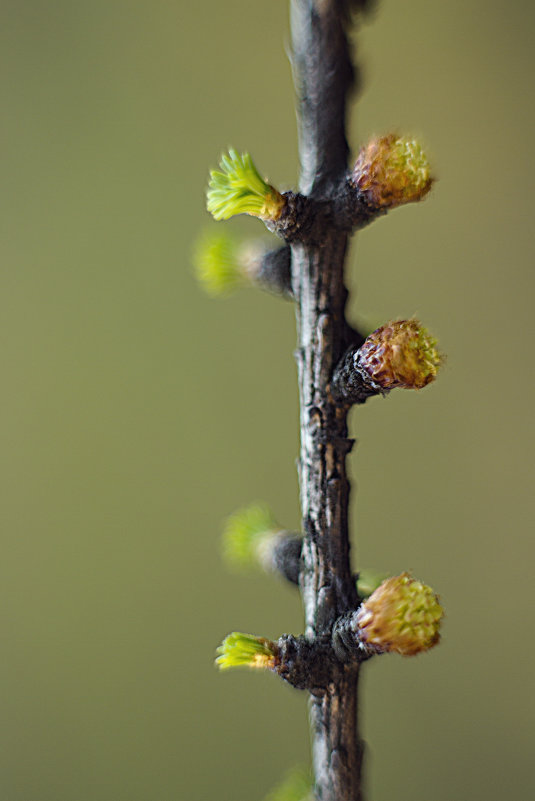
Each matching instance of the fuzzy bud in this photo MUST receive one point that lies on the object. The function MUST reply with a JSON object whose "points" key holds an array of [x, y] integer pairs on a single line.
{"points": [[391, 171], [402, 616], [400, 354]]}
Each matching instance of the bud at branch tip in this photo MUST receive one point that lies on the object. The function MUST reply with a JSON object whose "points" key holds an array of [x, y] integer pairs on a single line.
{"points": [[238, 188]]}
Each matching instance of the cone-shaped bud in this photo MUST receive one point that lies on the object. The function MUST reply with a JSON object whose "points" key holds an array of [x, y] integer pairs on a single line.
{"points": [[402, 616], [239, 189], [400, 354], [223, 264], [368, 580], [246, 650], [248, 535], [296, 786], [390, 171]]}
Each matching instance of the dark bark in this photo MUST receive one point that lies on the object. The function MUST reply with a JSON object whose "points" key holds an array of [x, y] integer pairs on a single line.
{"points": [[324, 75], [351, 383]]}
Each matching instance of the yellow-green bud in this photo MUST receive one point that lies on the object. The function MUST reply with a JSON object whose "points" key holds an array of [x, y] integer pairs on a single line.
{"points": [[400, 354], [246, 650], [296, 786], [402, 616], [223, 264], [238, 188], [248, 533], [390, 171], [368, 580]]}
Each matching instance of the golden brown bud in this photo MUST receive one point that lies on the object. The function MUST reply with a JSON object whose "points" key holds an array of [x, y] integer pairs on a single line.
{"points": [[402, 616], [390, 171], [400, 354]]}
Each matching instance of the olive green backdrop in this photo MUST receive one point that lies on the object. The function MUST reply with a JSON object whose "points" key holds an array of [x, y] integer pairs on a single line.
{"points": [[137, 413]]}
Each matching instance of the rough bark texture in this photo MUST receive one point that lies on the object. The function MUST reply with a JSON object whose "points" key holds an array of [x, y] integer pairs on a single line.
{"points": [[324, 75]]}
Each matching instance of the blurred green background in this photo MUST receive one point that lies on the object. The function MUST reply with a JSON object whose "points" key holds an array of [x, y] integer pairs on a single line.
{"points": [[137, 413]]}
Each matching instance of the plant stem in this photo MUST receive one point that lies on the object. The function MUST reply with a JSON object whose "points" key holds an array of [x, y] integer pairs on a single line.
{"points": [[323, 75]]}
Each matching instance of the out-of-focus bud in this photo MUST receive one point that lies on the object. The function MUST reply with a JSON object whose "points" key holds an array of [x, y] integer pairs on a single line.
{"points": [[390, 171], [248, 536], [238, 188], [400, 354], [368, 580], [219, 263], [296, 786], [246, 650], [402, 616]]}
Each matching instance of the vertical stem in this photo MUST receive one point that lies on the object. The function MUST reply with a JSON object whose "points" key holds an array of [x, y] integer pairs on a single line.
{"points": [[323, 75]]}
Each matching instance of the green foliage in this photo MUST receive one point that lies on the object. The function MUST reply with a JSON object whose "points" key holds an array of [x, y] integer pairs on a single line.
{"points": [[296, 786], [368, 581], [238, 188], [217, 263], [238, 650], [244, 534]]}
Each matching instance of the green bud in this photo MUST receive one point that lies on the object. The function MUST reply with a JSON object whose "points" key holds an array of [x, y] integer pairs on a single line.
{"points": [[296, 786], [400, 354], [246, 650], [239, 189], [216, 260], [402, 616], [391, 171], [247, 535], [368, 580]]}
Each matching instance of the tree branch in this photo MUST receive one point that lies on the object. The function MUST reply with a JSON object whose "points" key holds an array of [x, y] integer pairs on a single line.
{"points": [[324, 75]]}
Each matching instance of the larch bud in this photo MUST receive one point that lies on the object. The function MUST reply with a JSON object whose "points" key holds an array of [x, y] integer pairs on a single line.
{"points": [[391, 171], [402, 616], [296, 786], [223, 264], [246, 650], [248, 533], [400, 354], [238, 188], [368, 580]]}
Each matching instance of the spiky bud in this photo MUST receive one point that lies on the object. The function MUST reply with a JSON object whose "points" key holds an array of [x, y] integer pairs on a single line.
{"points": [[400, 354], [390, 171], [246, 650], [238, 188], [402, 616]]}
